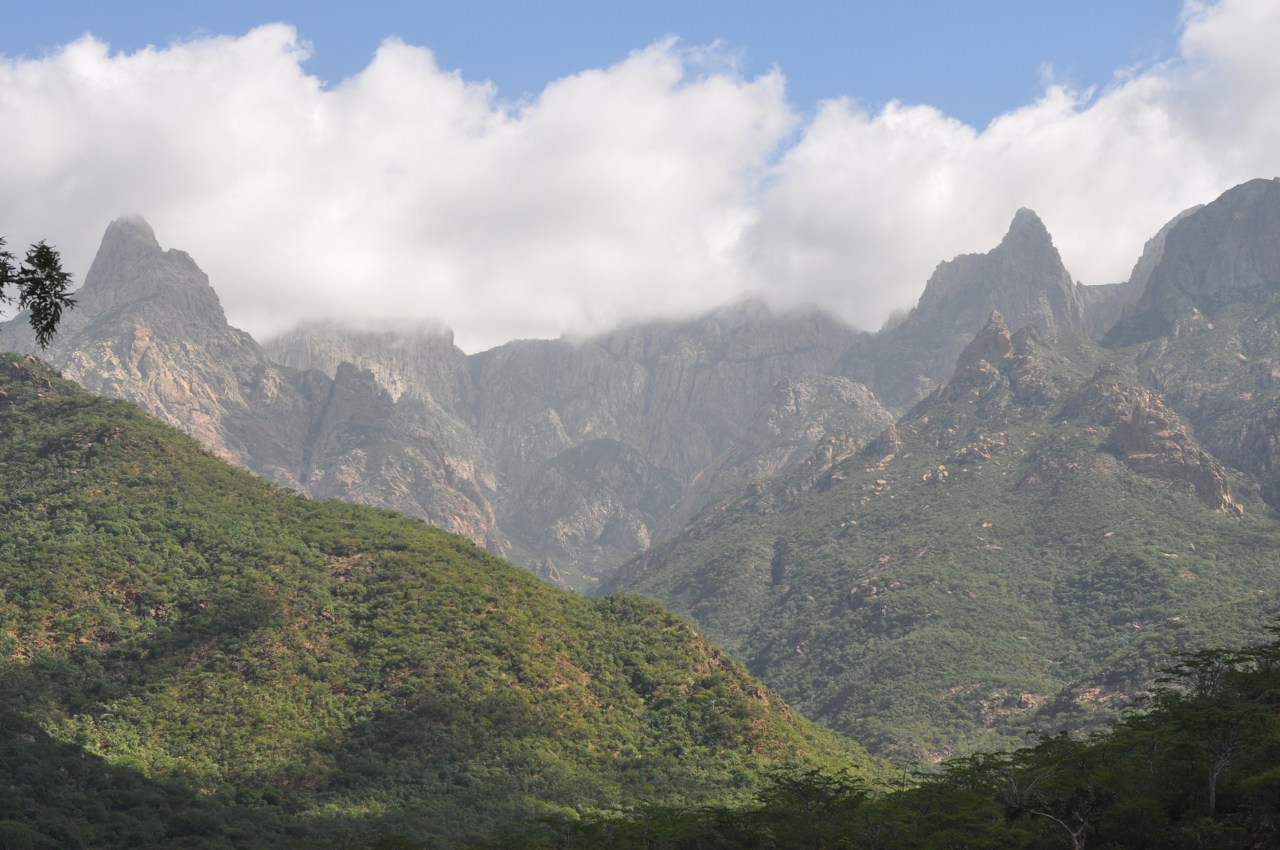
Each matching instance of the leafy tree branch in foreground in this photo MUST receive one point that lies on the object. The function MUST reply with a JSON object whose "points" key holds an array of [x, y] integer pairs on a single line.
{"points": [[41, 286]]}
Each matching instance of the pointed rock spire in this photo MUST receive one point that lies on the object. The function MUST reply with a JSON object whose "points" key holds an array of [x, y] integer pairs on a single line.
{"points": [[992, 344], [1027, 230], [130, 267], [129, 242], [1022, 278]]}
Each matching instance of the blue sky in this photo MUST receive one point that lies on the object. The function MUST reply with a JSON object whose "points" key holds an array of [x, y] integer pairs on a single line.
{"points": [[531, 169], [973, 60]]}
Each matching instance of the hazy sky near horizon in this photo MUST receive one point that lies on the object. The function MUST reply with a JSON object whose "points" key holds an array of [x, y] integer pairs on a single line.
{"points": [[515, 169]]}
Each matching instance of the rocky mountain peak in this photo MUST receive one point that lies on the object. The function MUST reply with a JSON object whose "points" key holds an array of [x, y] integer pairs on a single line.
{"points": [[980, 368], [992, 344], [1226, 251], [1027, 231], [130, 267], [1004, 374], [1023, 278], [127, 240]]}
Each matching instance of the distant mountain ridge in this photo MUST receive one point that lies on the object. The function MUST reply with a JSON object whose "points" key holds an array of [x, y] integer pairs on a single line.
{"points": [[567, 457]]}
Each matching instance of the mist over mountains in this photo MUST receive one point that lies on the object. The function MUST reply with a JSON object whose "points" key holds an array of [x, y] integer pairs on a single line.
{"points": [[567, 457]]}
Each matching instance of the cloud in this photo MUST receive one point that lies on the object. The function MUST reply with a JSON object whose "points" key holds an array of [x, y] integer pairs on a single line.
{"points": [[405, 190], [864, 205], [667, 183]]}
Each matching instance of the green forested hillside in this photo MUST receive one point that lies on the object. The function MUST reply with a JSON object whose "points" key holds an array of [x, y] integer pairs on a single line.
{"points": [[193, 657], [1031, 522], [1193, 766]]}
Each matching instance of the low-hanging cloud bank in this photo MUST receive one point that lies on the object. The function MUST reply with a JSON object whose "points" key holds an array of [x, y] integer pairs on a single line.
{"points": [[665, 184]]}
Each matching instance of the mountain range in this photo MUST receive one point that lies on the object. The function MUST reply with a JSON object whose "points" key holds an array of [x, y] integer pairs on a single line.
{"points": [[567, 457], [932, 537], [1031, 541]]}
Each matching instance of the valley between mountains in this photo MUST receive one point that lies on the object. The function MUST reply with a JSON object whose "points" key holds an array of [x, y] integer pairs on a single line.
{"points": [[1000, 515]]}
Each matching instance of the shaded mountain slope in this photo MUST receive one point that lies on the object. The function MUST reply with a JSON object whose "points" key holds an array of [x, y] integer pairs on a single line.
{"points": [[1017, 528], [332, 670]]}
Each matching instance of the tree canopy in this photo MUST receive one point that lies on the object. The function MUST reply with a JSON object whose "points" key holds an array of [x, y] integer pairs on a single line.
{"points": [[41, 286]]}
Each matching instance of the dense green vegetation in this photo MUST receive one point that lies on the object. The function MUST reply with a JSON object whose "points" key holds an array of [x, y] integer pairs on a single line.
{"points": [[194, 658], [936, 596], [1195, 765]]}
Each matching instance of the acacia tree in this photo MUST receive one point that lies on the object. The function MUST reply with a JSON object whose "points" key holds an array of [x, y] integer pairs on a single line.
{"points": [[1219, 703], [41, 287]]}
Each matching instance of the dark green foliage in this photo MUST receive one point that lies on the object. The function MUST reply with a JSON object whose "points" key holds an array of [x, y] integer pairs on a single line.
{"points": [[1214, 722], [289, 673], [41, 287]]}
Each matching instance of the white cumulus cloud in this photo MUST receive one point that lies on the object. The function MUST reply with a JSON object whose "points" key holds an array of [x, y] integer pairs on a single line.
{"points": [[864, 205], [667, 183]]}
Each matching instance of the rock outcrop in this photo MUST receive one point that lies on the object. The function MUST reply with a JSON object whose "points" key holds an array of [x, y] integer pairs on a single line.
{"points": [[1023, 278], [1149, 440], [1224, 252]]}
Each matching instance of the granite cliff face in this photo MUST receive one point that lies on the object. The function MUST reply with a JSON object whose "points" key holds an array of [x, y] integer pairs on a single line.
{"points": [[679, 392], [794, 420], [1106, 304], [398, 431], [599, 447], [413, 363], [1223, 253]]}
